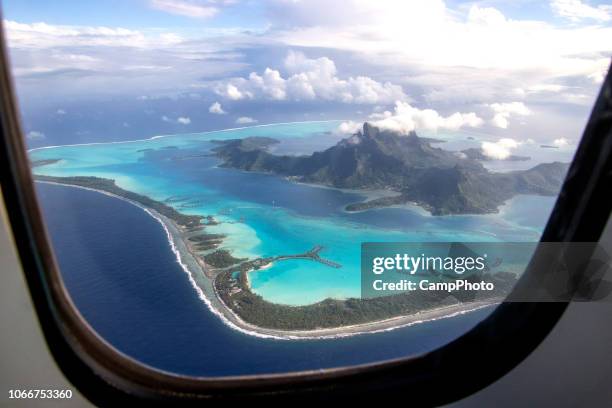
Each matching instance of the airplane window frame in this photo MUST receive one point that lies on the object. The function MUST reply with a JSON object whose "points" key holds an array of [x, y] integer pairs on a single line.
{"points": [[456, 370]]}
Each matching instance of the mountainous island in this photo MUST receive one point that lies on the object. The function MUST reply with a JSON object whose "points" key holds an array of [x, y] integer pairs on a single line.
{"points": [[443, 182]]}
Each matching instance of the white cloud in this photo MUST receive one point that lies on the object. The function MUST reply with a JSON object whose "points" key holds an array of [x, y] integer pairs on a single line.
{"points": [[181, 120], [35, 135], [407, 118], [378, 115], [232, 92], [245, 120], [561, 142], [43, 35], [486, 16], [349, 127], [576, 10], [598, 76], [472, 49], [216, 108], [546, 88], [60, 112], [309, 79], [445, 52], [500, 120], [196, 9], [474, 53], [75, 60], [503, 112], [500, 150], [518, 108]]}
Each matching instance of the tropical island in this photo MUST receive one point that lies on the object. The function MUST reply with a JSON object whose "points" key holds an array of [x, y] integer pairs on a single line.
{"points": [[443, 182]]}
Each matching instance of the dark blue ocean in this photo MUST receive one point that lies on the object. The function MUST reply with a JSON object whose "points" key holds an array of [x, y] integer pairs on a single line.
{"points": [[119, 269]]}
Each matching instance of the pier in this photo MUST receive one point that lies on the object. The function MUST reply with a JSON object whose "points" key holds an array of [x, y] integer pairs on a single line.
{"points": [[313, 255]]}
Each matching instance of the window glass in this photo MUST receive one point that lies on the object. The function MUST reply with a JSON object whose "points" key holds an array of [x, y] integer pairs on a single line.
{"points": [[211, 172]]}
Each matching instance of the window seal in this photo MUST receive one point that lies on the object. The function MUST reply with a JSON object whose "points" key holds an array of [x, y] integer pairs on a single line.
{"points": [[469, 363]]}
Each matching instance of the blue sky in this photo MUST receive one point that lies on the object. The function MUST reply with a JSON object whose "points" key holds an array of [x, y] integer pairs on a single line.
{"points": [[526, 70], [140, 13], [127, 13]]}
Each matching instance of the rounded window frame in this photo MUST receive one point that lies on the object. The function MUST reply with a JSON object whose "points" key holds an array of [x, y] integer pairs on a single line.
{"points": [[105, 375]]}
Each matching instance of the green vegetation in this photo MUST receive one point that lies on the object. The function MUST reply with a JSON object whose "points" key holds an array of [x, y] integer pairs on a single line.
{"points": [[44, 162], [247, 144], [205, 242], [331, 313], [221, 258], [108, 185], [210, 220]]}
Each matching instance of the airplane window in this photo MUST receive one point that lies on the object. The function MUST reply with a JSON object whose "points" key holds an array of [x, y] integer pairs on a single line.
{"points": [[245, 188]]}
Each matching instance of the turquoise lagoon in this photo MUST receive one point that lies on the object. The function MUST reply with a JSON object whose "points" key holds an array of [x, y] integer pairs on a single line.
{"points": [[265, 215]]}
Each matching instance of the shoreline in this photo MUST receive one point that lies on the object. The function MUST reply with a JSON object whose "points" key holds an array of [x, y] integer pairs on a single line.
{"points": [[204, 286]]}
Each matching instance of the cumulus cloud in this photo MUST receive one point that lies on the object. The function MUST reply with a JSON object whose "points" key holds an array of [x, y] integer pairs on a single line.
{"points": [[406, 118], [245, 120], [309, 79], [216, 108], [500, 150], [349, 127], [35, 135], [60, 112], [576, 10], [500, 121], [503, 112], [232, 92]]}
